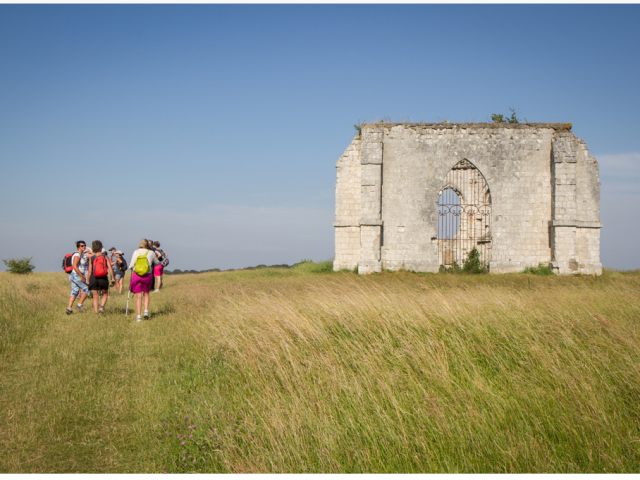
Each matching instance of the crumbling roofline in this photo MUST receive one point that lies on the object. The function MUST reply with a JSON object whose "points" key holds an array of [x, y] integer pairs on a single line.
{"points": [[559, 127]]}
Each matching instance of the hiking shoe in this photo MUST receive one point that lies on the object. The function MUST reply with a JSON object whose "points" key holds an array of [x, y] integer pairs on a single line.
{"points": [[138, 318], [101, 310], [146, 315], [155, 291], [69, 311], [80, 308]]}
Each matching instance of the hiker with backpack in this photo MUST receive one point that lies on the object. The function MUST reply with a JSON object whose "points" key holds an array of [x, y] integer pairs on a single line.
{"points": [[84, 265], [142, 262], [119, 268], [159, 269], [74, 267], [99, 268]]}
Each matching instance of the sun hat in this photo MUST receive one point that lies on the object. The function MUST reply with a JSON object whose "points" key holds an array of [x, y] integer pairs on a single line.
{"points": [[119, 252]]}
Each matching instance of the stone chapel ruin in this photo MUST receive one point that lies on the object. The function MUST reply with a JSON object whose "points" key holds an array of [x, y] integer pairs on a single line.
{"points": [[417, 196]]}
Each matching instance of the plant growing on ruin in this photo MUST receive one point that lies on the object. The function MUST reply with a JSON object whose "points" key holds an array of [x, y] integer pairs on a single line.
{"points": [[358, 126], [453, 268], [473, 264], [514, 118], [541, 269], [19, 265], [500, 118]]}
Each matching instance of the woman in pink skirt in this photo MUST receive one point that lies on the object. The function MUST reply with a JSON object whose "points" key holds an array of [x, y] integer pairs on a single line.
{"points": [[141, 284], [158, 269]]}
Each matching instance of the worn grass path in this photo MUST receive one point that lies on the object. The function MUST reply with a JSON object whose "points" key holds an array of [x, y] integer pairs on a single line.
{"points": [[295, 371], [78, 393]]}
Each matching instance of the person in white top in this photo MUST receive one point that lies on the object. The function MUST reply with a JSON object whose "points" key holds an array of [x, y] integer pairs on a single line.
{"points": [[142, 276], [78, 279]]}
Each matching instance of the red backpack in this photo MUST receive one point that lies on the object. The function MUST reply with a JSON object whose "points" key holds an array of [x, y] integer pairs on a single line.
{"points": [[100, 267], [67, 263]]}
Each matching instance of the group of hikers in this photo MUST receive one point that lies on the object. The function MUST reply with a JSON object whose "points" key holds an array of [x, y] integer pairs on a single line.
{"points": [[90, 269]]}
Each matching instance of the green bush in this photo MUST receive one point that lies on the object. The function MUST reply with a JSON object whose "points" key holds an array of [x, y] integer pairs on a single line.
{"points": [[541, 269], [19, 265], [472, 264], [454, 268], [500, 118]]}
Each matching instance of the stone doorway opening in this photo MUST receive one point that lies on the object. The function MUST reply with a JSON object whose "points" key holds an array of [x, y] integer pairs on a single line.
{"points": [[464, 215]]}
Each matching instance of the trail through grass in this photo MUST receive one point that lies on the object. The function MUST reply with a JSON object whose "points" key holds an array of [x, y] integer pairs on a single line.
{"points": [[300, 370]]}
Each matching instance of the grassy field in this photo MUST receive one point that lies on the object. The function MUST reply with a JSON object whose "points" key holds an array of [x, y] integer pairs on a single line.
{"points": [[277, 370]]}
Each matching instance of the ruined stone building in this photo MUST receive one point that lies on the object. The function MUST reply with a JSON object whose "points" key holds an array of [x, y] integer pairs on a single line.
{"points": [[417, 196]]}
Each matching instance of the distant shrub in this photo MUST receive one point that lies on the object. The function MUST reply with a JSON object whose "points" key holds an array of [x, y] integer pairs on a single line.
{"points": [[541, 269], [19, 265], [262, 265], [309, 266]]}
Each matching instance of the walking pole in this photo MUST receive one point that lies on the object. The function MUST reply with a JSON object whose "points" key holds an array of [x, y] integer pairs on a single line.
{"points": [[126, 310]]}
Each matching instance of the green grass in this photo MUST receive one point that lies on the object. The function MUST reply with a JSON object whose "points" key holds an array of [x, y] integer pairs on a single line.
{"points": [[304, 370]]}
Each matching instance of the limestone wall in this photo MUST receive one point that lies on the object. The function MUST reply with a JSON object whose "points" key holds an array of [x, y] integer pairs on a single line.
{"points": [[575, 227], [543, 184], [347, 220]]}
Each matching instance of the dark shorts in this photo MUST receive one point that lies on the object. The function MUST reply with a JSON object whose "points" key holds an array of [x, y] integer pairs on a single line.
{"points": [[101, 283]]}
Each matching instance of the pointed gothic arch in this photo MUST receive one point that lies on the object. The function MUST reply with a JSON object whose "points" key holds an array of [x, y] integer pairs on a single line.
{"points": [[464, 215]]}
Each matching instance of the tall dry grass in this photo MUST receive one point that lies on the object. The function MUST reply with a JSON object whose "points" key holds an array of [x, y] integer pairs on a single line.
{"points": [[288, 371]]}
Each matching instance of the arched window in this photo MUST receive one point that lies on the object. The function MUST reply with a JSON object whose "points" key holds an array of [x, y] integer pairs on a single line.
{"points": [[449, 210], [464, 215]]}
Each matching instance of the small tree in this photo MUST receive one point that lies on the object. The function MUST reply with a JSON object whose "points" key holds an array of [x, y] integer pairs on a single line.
{"points": [[500, 118], [513, 118], [19, 265], [472, 263]]}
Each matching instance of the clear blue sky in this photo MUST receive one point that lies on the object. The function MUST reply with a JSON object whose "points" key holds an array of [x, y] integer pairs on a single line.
{"points": [[215, 128]]}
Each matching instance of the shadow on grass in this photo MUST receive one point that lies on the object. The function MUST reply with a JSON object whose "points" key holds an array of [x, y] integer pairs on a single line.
{"points": [[165, 309]]}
